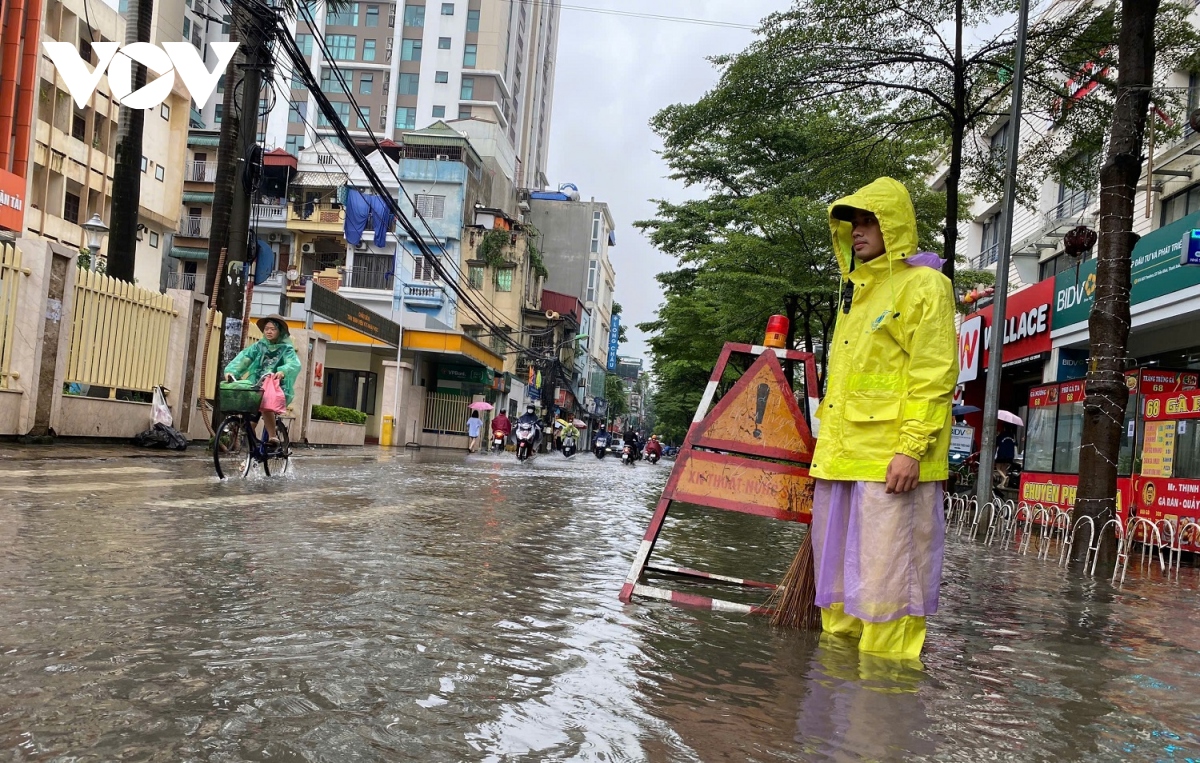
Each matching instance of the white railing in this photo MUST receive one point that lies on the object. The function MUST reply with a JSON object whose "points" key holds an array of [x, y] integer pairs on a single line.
{"points": [[270, 213], [446, 414], [194, 226], [201, 172], [185, 281]]}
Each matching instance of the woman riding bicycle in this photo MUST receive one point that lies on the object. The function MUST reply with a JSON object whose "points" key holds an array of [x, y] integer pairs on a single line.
{"points": [[273, 355]]}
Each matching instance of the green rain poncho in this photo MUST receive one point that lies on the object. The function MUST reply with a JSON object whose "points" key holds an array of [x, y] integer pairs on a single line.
{"points": [[264, 357]]}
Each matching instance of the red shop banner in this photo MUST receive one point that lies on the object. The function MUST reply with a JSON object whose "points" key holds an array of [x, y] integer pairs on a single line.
{"points": [[1153, 382], [1042, 397], [1071, 392], [1169, 499], [1058, 490], [1026, 325]]}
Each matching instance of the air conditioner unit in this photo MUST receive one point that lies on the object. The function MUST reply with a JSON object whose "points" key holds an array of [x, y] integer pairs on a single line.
{"points": [[274, 238], [361, 246], [308, 249], [443, 157]]}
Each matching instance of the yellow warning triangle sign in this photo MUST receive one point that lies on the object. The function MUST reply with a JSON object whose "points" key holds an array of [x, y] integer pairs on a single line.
{"points": [[758, 417]]}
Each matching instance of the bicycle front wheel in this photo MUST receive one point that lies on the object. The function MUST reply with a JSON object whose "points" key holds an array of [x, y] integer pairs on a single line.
{"points": [[279, 458], [232, 448]]}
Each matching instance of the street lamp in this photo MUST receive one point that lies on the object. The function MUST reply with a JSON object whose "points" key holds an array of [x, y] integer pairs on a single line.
{"points": [[95, 229]]}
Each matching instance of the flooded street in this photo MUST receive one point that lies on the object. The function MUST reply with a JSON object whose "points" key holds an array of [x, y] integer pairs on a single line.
{"points": [[389, 606]]}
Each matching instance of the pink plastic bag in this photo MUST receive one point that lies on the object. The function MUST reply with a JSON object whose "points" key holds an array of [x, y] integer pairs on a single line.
{"points": [[273, 398]]}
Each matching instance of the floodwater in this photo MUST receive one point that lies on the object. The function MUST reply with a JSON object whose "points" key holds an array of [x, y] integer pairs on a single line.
{"points": [[387, 606]]}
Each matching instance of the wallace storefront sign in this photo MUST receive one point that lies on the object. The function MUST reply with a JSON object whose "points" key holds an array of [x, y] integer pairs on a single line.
{"points": [[1026, 330]]}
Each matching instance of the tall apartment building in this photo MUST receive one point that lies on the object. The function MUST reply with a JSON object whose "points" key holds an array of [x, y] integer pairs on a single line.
{"points": [[19, 63], [73, 149]]}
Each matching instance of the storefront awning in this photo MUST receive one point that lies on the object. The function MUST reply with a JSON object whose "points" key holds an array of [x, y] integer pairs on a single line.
{"points": [[188, 253], [197, 197], [320, 179], [204, 140], [452, 344]]}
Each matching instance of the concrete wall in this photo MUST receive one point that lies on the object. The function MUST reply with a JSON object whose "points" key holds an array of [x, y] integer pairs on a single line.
{"points": [[335, 433], [566, 228]]}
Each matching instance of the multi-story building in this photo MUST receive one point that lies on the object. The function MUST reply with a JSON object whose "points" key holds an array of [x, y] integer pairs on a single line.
{"points": [[19, 75], [576, 237], [74, 148]]}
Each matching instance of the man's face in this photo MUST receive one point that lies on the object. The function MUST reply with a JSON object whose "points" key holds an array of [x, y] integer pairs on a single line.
{"points": [[866, 236]]}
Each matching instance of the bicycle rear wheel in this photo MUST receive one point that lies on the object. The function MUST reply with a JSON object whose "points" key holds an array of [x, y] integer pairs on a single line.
{"points": [[279, 458], [231, 448]]}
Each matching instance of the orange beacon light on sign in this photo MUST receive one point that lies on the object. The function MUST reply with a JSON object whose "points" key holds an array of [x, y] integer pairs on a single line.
{"points": [[777, 328]]}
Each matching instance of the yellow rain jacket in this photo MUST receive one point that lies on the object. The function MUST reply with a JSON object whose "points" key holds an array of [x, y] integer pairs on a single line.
{"points": [[893, 362]]}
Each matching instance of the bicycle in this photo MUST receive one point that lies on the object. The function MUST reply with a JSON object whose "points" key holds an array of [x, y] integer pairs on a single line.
{"points": [[236, 446]]}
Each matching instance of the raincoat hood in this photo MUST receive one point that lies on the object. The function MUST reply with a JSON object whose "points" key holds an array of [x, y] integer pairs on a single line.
{"points": [[889, 201]]}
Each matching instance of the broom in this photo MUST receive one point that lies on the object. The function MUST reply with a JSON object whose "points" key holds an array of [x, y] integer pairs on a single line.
{"points": [[795, 600]]}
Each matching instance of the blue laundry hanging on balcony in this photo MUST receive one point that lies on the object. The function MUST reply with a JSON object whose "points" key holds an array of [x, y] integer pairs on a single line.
{"points": [[365, 211]]}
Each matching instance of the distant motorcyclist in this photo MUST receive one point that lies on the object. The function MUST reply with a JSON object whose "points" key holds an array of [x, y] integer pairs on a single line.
{"points": [[631, 439], [654, 447], [502, 424], [530, 417]]}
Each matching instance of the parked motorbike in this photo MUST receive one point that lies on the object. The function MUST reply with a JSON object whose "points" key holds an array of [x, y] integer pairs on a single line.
{"points": [[600, 445], [497, 441], [526, 436], [569, 446]]}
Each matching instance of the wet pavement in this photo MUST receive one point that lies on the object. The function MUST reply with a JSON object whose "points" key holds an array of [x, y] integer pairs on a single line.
{"points": [[380, 605]]}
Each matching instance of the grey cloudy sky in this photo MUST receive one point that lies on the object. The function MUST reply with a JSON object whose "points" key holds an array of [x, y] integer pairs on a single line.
{"points": [[614, 74]]}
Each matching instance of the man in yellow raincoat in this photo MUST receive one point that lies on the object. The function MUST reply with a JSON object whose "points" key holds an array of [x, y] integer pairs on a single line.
{"points": [[883, 442]]}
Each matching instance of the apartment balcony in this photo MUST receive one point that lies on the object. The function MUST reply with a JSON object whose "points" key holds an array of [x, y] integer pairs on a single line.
{"points": [[311, 217], [185, 281], [424, 294], [194, 226], [270, 215], [200, 172], [371, 271]]}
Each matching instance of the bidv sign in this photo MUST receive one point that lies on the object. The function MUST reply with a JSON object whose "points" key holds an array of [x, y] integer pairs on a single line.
{"points": [[173, 58]]}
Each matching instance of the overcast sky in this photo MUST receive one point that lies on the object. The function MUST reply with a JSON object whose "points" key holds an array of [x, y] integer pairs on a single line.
{"points": [[614, 74]]}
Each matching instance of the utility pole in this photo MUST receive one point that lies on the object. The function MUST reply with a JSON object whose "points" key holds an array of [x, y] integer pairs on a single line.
{"points": [[991, 405], [127, 172], [237, 175]]}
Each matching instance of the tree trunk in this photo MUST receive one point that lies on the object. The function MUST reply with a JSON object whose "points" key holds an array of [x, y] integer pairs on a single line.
{"points": [[127, 169], [227, 154], [957, 134], [1108, 325], [790, 303]]}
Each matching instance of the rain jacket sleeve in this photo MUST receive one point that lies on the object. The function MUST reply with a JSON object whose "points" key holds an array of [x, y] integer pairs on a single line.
{"points": [[932, 370], [288, 364], [245, 365]]}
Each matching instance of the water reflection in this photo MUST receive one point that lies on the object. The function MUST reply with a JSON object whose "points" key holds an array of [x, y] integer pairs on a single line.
{"points": [[396, 606]]}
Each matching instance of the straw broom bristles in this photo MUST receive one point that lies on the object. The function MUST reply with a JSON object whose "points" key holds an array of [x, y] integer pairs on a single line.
{"points": [[795, 600]]}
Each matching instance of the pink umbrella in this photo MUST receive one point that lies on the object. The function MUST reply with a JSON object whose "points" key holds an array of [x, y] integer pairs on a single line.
{"points": [[580, 423], [1011, 418], [480, 406]]}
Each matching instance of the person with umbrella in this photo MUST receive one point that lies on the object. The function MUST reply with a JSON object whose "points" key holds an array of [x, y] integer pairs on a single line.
{"points": [[475, 425], [1006, 446]]}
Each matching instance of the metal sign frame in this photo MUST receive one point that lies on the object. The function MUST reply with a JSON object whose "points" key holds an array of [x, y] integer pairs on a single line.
{"points": [[698, 448], [344, 312]]}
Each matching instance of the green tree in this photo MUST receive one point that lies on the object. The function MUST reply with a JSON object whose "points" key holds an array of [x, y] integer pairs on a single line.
{"points": [[616, 310], [616, 395]]}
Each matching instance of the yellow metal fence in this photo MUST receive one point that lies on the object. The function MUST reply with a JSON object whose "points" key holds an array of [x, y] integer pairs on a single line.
{"points": [[119, 334], [11, 273], [446, 414], [213, 367]]}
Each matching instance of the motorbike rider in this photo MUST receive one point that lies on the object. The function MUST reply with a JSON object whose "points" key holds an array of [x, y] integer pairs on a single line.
{"points": [[530, 417], [654, 446], [631, 439], [502, 424]]}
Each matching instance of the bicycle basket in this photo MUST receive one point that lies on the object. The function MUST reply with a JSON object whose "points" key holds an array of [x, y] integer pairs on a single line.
{"points": [[239, 397]]}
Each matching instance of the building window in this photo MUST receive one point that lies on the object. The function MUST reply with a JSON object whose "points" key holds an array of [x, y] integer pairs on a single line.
{"points": [[366, 83], [343, 111], [989, 246], [164, 111], [504, 279], [441, 77], [591, 287], [159, 173], [596, 221], [469, 55], [464, 112], [351, 389], [145, 163], [1180, 205], [342, 46], [467, 93], [998, 146], [305, 43], [71, 208], [439, 112], [153, 240], [409, 83], [414, 15], [348, 16], [187, 32], [472, 21], [406, 118], [372, 15], [447, 9], [364, 117], [297, 111], [423, 269], [431, 207], [475, 276], [226, 20], [443, 43], [410, 50], [297, 84], [368, 50], [218, 112], [295, 144], [78, 126]]}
